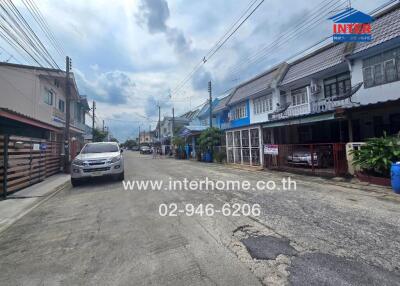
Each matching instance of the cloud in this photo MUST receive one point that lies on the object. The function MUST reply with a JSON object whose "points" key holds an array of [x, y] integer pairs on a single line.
{"points": [[114, 87], [153, 16], [201, 78]]}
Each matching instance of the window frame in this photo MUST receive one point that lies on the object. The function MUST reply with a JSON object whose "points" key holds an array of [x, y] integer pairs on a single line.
{"points": [[297, 97], [63, 105], [49, 94]]}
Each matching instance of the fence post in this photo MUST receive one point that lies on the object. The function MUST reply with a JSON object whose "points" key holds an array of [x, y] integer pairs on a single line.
{"points": [[5, 164], [312, 158]]}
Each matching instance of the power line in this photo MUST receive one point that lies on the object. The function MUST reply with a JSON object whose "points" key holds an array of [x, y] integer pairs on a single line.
{"points": [[215, 50], [19, 31], [42, 23], [319, 14]]}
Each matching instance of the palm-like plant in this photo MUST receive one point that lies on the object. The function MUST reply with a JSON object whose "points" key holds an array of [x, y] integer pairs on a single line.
{"points": [[377, 155]]}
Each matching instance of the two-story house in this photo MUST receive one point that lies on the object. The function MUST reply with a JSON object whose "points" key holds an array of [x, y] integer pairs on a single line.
{"points": [[33, 103], [241, 113]]}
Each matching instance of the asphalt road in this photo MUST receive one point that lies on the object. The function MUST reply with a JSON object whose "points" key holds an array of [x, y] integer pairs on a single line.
{"points": [[101, 234]]}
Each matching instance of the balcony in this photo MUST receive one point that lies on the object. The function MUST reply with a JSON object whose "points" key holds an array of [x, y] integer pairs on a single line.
{"points": [[58, 114], [288, 111], [327, 104]]}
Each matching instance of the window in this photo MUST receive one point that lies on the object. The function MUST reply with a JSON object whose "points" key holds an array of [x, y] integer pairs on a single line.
{"points": [[299, 96], [239, 111], [337, 85], [390, 70], [382, 68], [262, 104], [61, 105], [48, 97]]}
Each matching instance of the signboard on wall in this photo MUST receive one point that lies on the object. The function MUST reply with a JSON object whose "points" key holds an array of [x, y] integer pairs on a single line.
{"points": [[271, 149]]}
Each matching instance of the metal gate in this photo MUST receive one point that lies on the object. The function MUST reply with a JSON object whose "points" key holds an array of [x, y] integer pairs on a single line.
{"points": [[318, 159], [25, 161]]}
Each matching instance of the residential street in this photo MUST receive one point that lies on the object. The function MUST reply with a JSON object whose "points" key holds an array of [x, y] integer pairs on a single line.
{"points": [[101, 234]]}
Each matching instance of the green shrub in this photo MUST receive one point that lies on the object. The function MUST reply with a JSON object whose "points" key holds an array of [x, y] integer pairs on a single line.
{"points": [[377, 155], [220, 156]]}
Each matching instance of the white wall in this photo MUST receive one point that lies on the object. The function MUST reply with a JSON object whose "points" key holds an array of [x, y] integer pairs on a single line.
{"points": [[388, 91], [262, 117], [22, 91]]}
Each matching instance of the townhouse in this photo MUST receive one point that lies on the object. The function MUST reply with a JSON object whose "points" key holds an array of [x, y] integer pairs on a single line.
{"points": [[241, 113], [303, 113], [33, 104]]}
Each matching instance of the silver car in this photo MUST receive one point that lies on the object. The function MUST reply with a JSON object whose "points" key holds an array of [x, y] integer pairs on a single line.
{"points": [[97, 160]]}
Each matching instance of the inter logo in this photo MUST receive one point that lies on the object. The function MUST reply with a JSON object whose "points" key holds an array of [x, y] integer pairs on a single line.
{"points": [[352, 25]]}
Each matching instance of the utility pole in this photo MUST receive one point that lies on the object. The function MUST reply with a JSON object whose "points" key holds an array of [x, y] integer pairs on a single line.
{"points": [[68, 115], [103, 126], [159, 123], [173, 122], [139, 135], [93, 118], [210, 93]]}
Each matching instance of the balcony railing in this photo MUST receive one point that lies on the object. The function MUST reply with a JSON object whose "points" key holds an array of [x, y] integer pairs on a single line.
{"points": [[58, 114], [328, 104], [292, 111]]}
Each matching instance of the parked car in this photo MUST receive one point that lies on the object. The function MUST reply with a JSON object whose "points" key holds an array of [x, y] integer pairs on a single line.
{"points": [[134, 148], [98, 160], [322, 157], [145, 150]]}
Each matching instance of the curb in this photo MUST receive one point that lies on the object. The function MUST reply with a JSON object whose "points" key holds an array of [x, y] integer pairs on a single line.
{"points": [[40, 201]]}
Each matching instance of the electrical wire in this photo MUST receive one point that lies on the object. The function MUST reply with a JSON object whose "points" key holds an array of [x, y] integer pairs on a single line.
{"points": [[214, 49]]}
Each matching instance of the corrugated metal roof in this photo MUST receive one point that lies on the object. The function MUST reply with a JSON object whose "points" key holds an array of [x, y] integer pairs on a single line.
{"points": [[258, 84], [320, 60], [383, 29]]}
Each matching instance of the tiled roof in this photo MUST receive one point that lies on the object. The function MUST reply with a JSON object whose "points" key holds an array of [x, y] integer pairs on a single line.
{"points": [[259, 83], [320, 60], [383, 29]]}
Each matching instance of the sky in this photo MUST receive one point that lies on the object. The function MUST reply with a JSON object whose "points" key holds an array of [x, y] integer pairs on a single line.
{"points": [[130, 55]]}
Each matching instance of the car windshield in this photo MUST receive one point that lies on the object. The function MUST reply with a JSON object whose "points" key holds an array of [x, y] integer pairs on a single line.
{"points": [[99, 148]]}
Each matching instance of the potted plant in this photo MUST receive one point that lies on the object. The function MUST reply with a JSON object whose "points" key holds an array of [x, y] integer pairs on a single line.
{"points": [[375, 159], [207, 140]]}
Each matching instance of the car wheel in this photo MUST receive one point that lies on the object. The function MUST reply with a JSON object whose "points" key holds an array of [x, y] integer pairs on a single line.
{"points": [[121, 176], [75, 182]]}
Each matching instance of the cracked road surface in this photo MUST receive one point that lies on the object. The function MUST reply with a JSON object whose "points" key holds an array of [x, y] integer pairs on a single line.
{"points": [[99, 234]]}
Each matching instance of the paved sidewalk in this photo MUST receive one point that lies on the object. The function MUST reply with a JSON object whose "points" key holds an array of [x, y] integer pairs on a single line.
{"points": [[20, 203]]}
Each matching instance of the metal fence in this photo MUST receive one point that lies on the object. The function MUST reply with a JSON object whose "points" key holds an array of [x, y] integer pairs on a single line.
{"points": [[319, 159], [25, 161]]}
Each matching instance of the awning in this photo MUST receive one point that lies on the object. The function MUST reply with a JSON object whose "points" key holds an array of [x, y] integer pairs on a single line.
{"points": [[303, 120], [192, 130]]}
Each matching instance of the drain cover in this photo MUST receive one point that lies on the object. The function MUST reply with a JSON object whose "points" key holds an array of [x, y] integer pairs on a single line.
{"points": [[268, 247]]}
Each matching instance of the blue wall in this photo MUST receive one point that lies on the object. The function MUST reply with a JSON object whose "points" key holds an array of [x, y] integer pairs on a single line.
{"points": [[242, 121]]}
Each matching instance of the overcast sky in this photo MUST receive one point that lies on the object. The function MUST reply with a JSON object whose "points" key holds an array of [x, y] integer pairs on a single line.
{"points": [[129, 54]]}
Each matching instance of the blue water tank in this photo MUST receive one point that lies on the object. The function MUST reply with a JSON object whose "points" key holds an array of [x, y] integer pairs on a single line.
{"points": [[395, 170]]}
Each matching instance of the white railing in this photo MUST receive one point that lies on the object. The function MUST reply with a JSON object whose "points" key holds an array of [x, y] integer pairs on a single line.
{"points": [[293, 111], [327, 104]]}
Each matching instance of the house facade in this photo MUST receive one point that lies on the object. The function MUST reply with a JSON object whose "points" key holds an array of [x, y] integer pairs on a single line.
{"points": [[33, 104], [340, 93]]}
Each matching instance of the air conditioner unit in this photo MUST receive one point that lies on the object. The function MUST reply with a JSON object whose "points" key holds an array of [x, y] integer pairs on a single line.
{"points": [[315, 89]]}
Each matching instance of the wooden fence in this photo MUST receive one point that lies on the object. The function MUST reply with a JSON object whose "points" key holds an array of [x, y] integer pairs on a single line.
{"points": [[25, 161]]}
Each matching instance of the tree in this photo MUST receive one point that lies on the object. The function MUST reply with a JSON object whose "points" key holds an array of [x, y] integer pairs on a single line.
{"points": [[99, 136], [209, 138], [130, 143]]}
